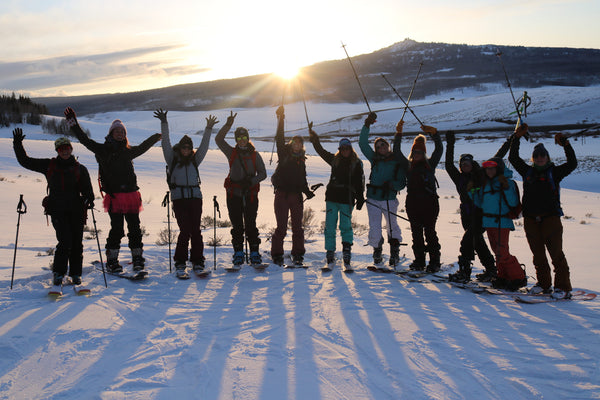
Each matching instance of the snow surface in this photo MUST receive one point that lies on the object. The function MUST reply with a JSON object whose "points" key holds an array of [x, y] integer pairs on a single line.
{"points": [[296, 334]]}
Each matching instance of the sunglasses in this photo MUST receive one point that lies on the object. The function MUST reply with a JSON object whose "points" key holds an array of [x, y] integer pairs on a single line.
{"points": [[186, 147], [241, 138], [64, 147]]}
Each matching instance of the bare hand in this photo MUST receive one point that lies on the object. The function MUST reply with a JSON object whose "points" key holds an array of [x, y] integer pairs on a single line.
{"points": [[211, 120], [231, 118], [161, 115]]}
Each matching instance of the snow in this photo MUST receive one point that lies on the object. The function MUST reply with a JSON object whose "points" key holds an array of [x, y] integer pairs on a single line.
{"points": [[297, 334]]}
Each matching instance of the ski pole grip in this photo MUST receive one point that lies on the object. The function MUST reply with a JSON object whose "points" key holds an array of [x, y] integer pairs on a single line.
{"points": [[165, 199], [21, 207]]}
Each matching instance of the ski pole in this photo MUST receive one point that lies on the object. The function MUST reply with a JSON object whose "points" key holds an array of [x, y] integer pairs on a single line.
{"points": [[215, 211], [274, 140], [313, 189], [21, 209], [165, 203], [382, 209], [356, 76], [400, 97], [411, 91], [99, 250], [499, 54], [585, 130], [303, 102]]}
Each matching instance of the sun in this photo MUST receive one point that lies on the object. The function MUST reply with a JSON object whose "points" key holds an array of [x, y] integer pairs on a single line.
{"points": [[286, 71]]}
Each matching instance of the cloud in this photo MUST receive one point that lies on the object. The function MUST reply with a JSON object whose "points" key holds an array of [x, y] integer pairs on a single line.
{"points": [[57, 72]]}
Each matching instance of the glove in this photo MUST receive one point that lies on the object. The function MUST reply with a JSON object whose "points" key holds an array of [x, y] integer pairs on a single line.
{"points": [[503, 181], [18, 136], [521, 131], [429, 129], [161, 115], [211, 121], [560, 139], [371, 119], [359, 203], [88, 203], [71, 117], [312, 135], [156, 137], [450, 138], [280, 112], [309, 195], [399, 127]]}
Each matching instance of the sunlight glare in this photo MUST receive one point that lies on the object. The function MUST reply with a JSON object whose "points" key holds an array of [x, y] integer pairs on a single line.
{"points": [[287, 71]]}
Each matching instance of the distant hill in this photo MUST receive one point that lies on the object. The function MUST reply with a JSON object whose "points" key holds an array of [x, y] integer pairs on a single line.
{"points": [[445, 67]]}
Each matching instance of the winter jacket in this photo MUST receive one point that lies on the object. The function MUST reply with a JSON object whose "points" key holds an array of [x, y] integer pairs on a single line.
{"points": [[115, 160], [387, 176], [68, 188], [461, 179], [495, 207], [184, 181], [541, 187], [420, 177], [246, 171], [290, 174], [347, 179]]}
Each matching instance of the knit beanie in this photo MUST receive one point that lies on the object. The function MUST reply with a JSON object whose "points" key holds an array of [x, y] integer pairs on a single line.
{"points": [[419, 144], [465, 158], [186, 141], [117, 124], [540, 150], [241, 131], [380, 139], [344, 142], [62, 141]]}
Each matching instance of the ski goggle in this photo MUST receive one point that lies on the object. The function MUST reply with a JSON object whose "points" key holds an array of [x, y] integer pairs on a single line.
{"points": [[243, 137], [489, 164]]}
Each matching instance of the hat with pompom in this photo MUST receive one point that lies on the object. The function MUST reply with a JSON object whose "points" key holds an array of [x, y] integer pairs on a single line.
{"points": [[117, 123], [419, 144]]}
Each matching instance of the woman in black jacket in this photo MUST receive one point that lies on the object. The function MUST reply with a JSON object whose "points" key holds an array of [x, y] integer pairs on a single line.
{"points": [[70, 193], [118, 180]]}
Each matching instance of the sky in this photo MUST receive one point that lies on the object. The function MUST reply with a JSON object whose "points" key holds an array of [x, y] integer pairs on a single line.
{"points": [[65, 47]]}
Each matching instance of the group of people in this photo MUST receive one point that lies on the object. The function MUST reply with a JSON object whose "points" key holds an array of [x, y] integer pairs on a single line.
{"points": [[489, 199]]}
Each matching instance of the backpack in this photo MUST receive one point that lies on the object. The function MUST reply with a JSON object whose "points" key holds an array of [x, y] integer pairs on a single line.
{"points": [[548, 176], [169, 170], [52, 168], [234, 156], [515, 211]]}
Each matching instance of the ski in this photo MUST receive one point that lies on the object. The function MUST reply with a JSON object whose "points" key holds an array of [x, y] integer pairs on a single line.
{"points": [[183, 275], [55, 291], [347, 268], [380, 268], [233, 268], [81, 290], [295, 266], [577, 295], [259, 267], [327, 267], [205, 273], [134, 276]]}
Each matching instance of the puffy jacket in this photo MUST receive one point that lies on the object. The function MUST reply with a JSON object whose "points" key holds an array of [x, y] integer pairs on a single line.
{"points": [[494, 206], [184, 180], [387, 177], [290, 174]]}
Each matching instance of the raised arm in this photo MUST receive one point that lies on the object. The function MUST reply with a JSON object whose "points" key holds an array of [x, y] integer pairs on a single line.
{"points": [[397, 148], [513, 157], [220, 138], [314, 139], [451, 169], [279, 137], [211, 120], [436, 156], [89, 144], [363, 139], [503, 150], [165, 138], [35, 164], [143, 147], [569, 166]]}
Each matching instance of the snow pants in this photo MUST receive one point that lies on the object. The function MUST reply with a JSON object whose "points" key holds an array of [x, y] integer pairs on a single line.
{"points": [[286, 205], [188, 213], [342, 213], [472, 241], [68, 226], [377, 209], [508, 266], [242, 214], [134, 232], [422, 213], [542, 235]]}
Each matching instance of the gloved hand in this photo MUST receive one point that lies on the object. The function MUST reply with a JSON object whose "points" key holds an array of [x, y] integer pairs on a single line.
{"points": [[371, 119], [561, 139], [429, 129], [521, 131], [359, 203], [399, 127], [231, 118], [161, 115], [211, 120], [450, 138], [88, 203], [18, 136], [503, 181], [156, 137], [280, 112], [312, 135], [70, 116], [309, 195]]}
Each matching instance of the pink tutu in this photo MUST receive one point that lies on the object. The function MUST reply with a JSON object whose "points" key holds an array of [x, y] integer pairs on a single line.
{"points": [[123, 203]]}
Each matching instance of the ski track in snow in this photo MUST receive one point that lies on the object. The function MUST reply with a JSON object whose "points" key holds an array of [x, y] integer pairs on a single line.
{"points": [[295, 334]]}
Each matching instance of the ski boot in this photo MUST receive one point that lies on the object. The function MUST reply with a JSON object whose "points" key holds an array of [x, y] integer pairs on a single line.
{"points": [[112, 261], [463, 275], [238, 257], [489, 274], [277, 259], [180, 269], [57, 279], [434, 263], [330, 256], [76, 280], [298, 260], [419, 263], [394, 252], [255, 257], [198, 265], [137, 259], [377, 255]]}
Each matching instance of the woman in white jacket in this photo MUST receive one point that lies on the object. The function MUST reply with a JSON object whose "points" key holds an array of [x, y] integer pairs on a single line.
{"points": [[184, 184]]}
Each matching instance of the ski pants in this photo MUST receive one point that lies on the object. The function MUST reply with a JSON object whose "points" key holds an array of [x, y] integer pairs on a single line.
{"points": [[542, 235], [286, 205], [117, 231], [422, 213], [242, 214], [188, 213], [508, 266], [377, 209], [342, 213], [68, 226], [472, 241]]}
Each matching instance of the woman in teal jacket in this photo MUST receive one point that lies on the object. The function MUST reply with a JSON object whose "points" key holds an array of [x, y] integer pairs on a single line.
{"points": [[497, 197], [386, 180]]}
